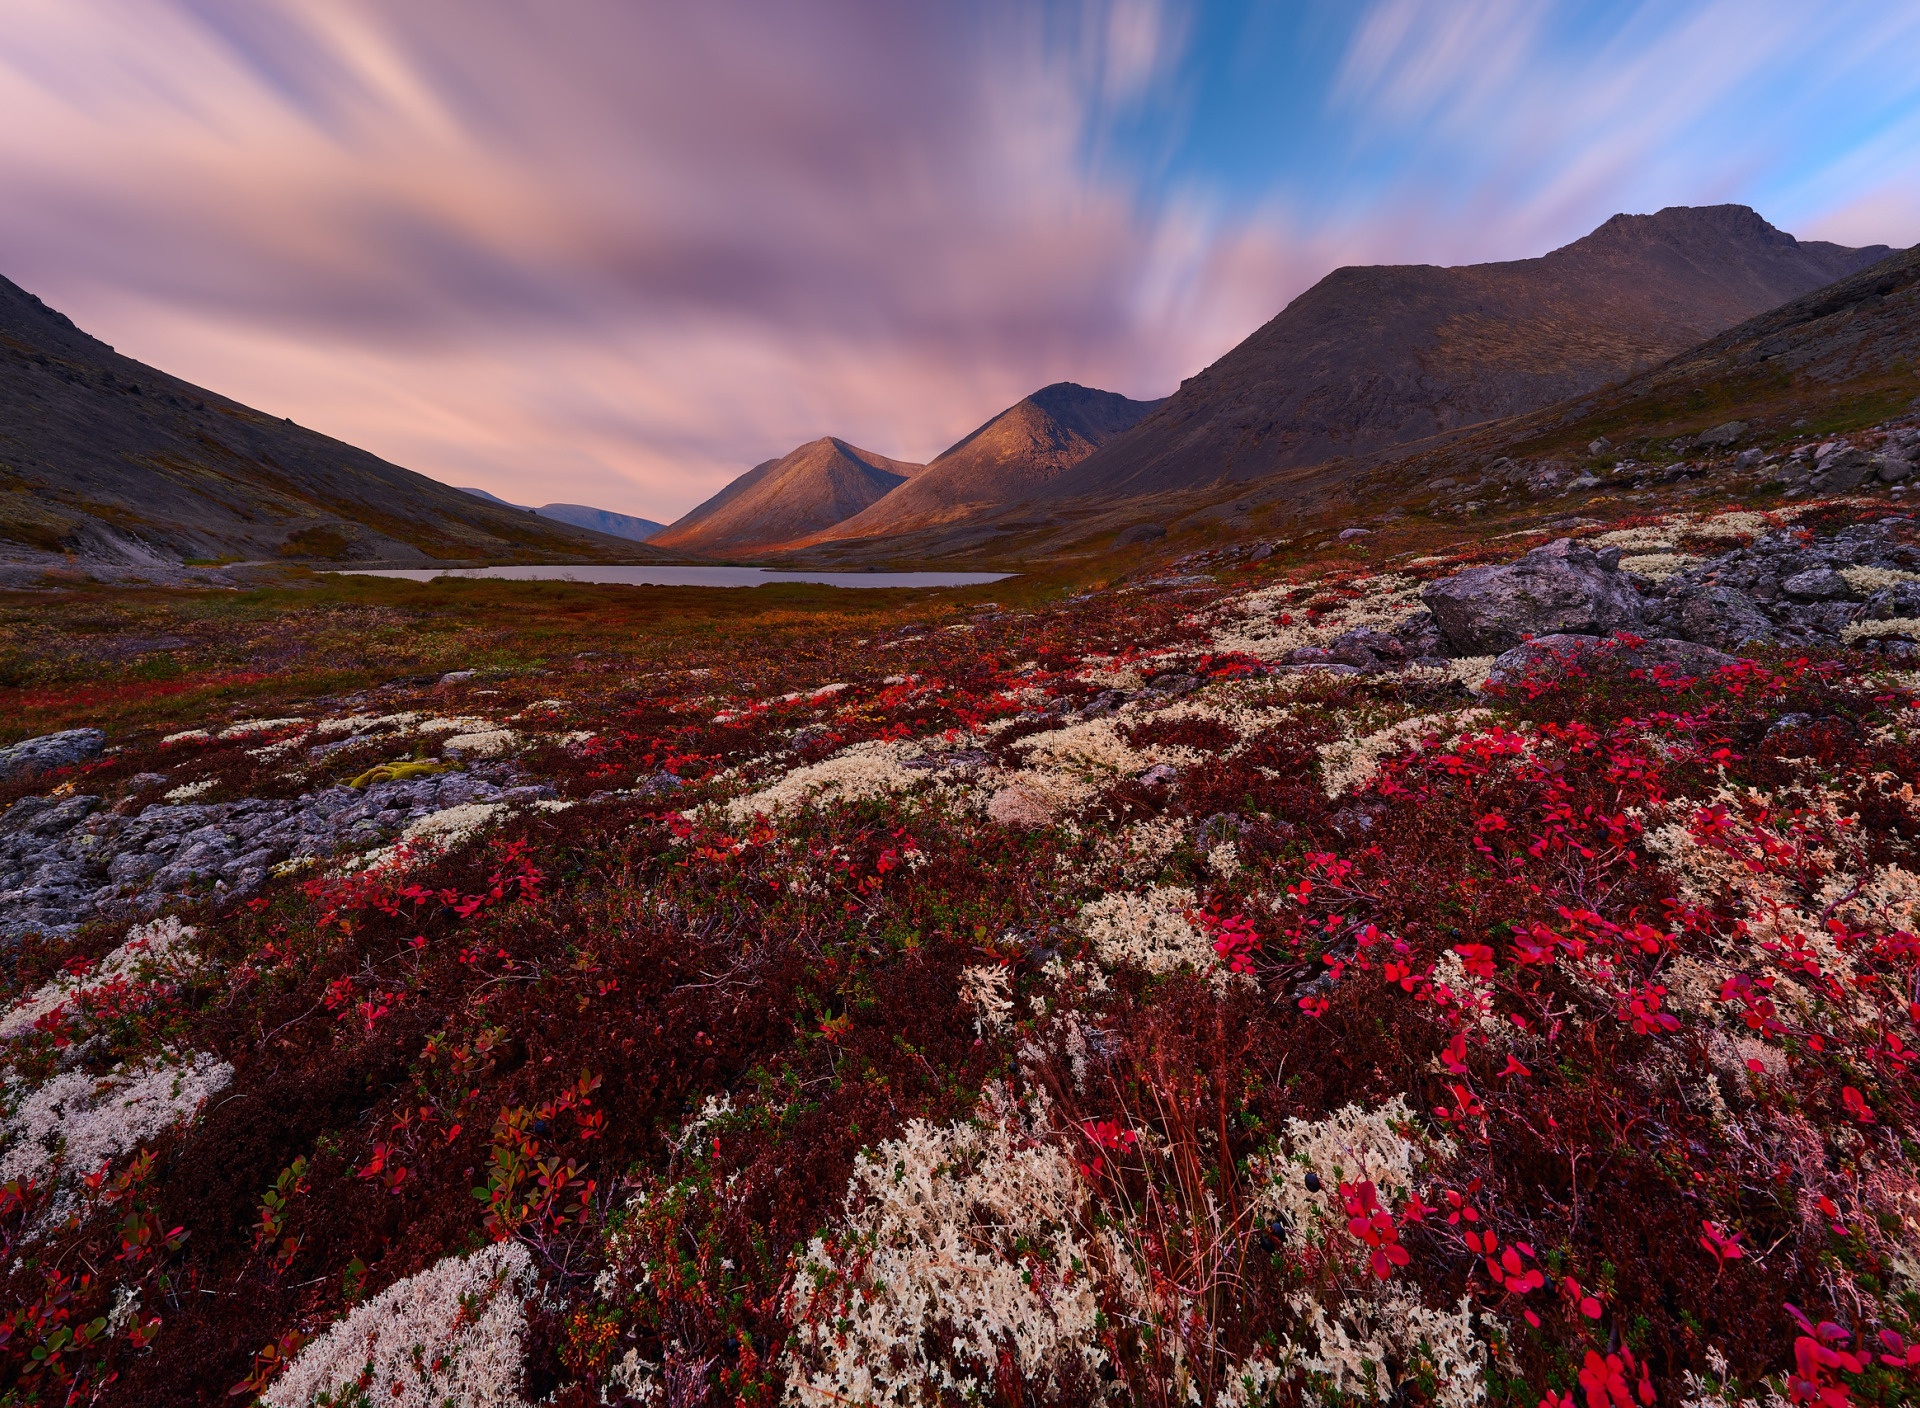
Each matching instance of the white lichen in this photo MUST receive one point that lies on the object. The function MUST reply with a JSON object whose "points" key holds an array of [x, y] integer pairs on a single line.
{"points": [[454, 1333]]}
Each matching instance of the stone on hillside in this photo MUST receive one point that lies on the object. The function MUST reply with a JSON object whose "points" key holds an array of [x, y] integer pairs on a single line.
{"points": [[1722, 434], [1819, 584], [1720, 617], [1420, 634], [1366, 646], [1599, 447], [1842, 470], [1562, 588], [1895, 603], [50, 752], [1140, 533]]}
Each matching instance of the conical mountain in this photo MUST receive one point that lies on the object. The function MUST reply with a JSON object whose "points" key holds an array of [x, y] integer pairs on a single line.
{"points": [[1379, 356], [820, 484], [1010, 458]]}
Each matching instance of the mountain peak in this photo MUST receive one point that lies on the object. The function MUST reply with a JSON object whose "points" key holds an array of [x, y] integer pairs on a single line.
{"points": [[812, 487], [1372, 357]]}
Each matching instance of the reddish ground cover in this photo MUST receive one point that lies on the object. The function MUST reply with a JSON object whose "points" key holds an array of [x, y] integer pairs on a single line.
{"points": [[896, 1014]]}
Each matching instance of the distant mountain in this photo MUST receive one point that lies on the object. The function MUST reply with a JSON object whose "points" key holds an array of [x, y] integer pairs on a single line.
{"points": [[106, 457], [1008, 459], [1374, 357], [601, 520], [816, 486]]}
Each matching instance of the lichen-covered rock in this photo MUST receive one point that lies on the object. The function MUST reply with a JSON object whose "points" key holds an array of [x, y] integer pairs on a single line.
{"points": [[1721, 617], [49, 752], [1817, 584], [1562, 588]]}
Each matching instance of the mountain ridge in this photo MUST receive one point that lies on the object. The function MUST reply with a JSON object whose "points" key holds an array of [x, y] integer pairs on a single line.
{"points": [[1005, 460], [600, 520], [1372, 356], [118, 461]]}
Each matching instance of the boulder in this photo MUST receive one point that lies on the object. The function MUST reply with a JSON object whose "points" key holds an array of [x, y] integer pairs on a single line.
{"points": [[1719, 617], [1818, 584], [1900, 602], [1419, 633], [1562, 588], [1841, 470], [1722, 434], [1366, 647], [1599, 447], [50, 752], [1140, 533]]}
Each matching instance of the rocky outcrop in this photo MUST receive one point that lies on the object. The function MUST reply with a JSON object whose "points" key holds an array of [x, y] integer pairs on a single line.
{"points": [[1560, 589], [1784, 590], [50, 752], [1859, 587], [64, 861]]}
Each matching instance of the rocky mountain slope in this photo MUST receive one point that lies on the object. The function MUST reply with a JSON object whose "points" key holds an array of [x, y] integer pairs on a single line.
{"points": [[600, 520], [1373, 357], [1008, 459], [106, 457], [1750, 403], [820, 484]]}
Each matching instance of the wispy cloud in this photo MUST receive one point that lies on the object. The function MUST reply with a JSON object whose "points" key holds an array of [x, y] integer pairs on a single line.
{"points": [[614, 252]]}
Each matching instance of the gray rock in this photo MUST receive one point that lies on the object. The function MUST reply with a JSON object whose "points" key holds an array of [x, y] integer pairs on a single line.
{"points": [[1562, 588], [1599, 447], [1719, 617], [49, 752], [1419, 634], [1366, 647], [1173, 686], [1348, 534], [1818, 584], [1898, 602], [1722, 434], [1140, 533], [1843, 470]]}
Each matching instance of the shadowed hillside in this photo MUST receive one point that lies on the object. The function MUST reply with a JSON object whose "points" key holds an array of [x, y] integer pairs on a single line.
{"points": [[1373, 357], [107, 457]]}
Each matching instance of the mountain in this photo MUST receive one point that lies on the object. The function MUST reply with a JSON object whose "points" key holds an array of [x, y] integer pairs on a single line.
{"points": [[1005, 461], [109, 458], [600, 520], [1374, 357], [816, 486], [1834, 359]]}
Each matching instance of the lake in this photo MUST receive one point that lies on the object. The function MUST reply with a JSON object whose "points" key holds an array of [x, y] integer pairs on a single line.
{"points": [[689, 576]]}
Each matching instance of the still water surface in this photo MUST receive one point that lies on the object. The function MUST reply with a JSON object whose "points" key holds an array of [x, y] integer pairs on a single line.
{"points": [[691, 576]]}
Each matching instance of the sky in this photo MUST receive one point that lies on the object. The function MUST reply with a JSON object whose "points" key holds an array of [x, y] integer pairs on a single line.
{"points": [[615, 252]]}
